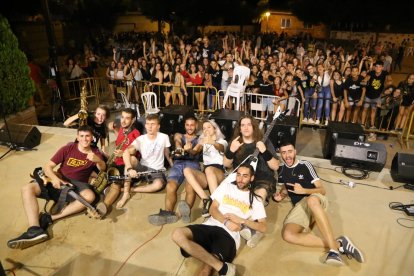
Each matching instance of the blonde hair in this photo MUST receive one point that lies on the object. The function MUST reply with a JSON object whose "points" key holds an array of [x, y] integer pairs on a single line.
{"points": [[218, 133]]}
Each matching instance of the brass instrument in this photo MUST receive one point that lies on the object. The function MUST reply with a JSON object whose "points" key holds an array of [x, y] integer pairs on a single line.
{"points": [[83, 112], [101, 181]]}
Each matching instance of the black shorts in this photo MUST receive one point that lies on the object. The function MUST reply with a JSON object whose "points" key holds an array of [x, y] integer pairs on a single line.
{"points": [[215, 240], [407, 100], [49, 192], [220, 167]]}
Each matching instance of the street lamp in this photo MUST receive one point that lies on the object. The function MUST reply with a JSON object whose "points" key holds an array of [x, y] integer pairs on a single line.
{"points": [[267, 21]]}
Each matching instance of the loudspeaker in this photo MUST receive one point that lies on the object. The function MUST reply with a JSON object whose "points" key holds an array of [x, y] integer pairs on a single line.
{"points": [[172, 118], [227, 120], [361, 155], [22, 135], [337, 130], [402, 168], [285, 130]]}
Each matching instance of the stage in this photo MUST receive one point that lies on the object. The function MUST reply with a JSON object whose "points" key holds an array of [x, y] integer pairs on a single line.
{"points": [[124, 243]]}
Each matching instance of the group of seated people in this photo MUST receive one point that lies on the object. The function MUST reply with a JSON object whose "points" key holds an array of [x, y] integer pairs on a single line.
{"points": [[234, 205], [330, 83]]}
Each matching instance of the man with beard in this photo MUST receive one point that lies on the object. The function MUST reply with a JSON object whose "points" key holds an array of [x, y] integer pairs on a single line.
{"points": [[303, 186], [126, 135], [184, 157], [216, 241]]}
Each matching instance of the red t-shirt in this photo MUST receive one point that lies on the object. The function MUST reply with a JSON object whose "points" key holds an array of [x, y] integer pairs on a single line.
{"points": [[73, 163], [131, 137], [197, 80]]}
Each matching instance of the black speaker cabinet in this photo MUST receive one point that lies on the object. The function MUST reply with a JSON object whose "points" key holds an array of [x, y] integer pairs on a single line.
{"points": [[227, 120], [172, 118], [284, 131], [402, 168], [362, 155], [22, 135], [337, 130]]}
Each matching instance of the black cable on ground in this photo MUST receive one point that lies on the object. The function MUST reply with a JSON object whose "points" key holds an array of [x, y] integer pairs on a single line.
{"points": [[363, 174]]}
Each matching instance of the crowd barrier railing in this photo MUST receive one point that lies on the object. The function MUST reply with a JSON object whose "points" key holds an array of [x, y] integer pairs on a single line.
{"points": [[73, 89]]}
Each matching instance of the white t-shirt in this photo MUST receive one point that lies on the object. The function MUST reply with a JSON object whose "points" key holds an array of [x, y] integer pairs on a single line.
{"points": [[235, 201], [152, 151], [211, 155]]}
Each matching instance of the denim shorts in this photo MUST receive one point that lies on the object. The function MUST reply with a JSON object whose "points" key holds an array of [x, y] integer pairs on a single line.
{"points": [[371, 102], [177, 171]]}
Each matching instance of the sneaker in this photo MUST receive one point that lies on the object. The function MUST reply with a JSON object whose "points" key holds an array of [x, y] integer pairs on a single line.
{"points": [[34, 235], [254, 241], [45, 220], [163, 217], [349, 249], [185, 211], [206, 207], [373, 128], [305, 120], [261, 124], [317, 122], [231, 270], [333, 258], [326, 122], [311, 121], [246, 233]]}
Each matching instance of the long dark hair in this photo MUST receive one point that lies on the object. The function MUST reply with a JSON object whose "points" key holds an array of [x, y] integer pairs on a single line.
{"points": [[257, 133]]}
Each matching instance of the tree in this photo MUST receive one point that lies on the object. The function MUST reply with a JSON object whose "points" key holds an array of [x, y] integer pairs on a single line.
{"points": [[16, 86]]}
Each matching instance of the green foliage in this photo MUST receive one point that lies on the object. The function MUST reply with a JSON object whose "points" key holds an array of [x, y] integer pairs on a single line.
{"points": [[16, 86]]}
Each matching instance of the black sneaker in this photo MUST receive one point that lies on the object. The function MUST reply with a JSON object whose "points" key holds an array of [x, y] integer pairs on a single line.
{"points": [[333, 258], [206, 207], [34, 235], [349, 249], [45, 220], [163, 217]]}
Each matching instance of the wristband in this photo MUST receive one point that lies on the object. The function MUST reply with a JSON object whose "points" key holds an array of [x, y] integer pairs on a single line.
{"points": [[267, 155], [229, 154]]}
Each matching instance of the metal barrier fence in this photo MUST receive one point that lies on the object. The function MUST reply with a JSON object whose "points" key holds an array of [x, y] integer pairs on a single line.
{"points": [[94, 87]]}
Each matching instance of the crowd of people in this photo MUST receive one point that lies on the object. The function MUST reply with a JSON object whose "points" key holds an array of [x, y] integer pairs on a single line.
{"points": [[332, 83]]}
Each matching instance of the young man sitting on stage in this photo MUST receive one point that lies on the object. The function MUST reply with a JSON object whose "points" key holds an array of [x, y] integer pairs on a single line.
{"points": [[303, 186], [126, 135], [153, 147], [216, 241], [77, 161], [185, 157]]}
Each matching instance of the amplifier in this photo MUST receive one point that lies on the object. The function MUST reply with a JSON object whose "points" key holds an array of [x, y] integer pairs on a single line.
{"points": [[227, 120], [284, 131], [337, 130], [361, 155]]}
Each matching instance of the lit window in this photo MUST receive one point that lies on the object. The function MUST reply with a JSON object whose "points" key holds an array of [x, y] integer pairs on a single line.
{"points": [[285, 22]]}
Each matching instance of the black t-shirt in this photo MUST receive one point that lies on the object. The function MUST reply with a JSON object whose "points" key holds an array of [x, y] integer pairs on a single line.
{"points": [[99, 130], [375, 85], [339, 89], [303, 173], [266, 88], [263, 171], [308, 81], [354, 87], [215, 77]]}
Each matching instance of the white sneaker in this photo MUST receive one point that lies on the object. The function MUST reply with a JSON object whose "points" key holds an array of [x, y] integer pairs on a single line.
{"points": [[261, 124], [326, 122], [317, 122], [254, 240], [246, 233], [305, 120], [231, 269], [311, 121]]}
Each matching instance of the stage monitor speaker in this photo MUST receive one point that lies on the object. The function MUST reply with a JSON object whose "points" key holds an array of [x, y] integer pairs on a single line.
{"points": [[402, 168], [227, 120], [27, 136], [360, 155], [172, 118], [337, 130], [285, 130]]}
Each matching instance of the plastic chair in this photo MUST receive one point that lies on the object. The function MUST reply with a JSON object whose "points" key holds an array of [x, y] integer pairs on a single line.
{"points": [[149, 100], [237, 86]]}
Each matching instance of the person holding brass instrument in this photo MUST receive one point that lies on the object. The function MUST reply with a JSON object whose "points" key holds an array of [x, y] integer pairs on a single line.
{"points": [[98, 123], [77, 161], [126, 135]]}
